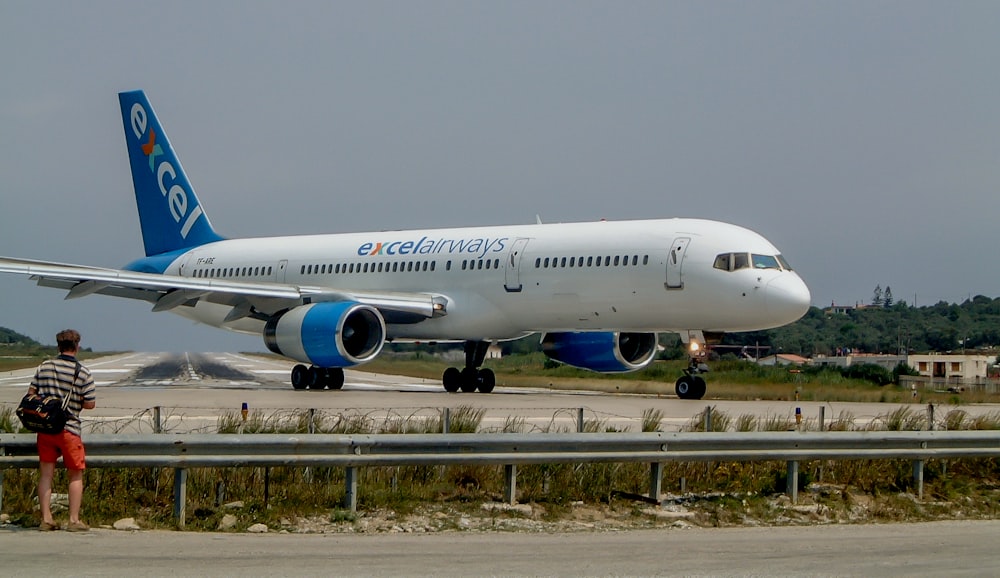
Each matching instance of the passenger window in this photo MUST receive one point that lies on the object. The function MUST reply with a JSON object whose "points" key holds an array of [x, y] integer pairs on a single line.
{"points": [[616, 260], [538, 262], [590, 261]]}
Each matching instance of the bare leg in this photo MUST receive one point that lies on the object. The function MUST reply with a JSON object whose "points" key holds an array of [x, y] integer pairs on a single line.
{"points": [[75, 494], [46, 471]]}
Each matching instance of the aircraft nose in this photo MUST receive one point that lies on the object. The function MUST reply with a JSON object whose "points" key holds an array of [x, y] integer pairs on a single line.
{"points": [[787, 297]]}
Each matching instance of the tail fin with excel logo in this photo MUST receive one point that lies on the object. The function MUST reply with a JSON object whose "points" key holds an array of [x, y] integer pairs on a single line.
{"points": [[170, 214]]}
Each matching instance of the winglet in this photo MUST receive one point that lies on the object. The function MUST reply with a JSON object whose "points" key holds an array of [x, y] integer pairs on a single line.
{"points": [[170, 214]]}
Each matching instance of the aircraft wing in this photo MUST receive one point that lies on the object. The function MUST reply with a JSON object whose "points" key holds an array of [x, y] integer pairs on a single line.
{"points": [[247, 298]]}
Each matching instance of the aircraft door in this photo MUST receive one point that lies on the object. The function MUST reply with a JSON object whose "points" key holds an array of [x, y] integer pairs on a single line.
{"points": [[675, 263], [282, 265], [512, 273]]}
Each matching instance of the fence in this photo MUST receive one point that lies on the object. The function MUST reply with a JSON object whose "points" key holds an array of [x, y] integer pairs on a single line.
{"points": [[510, 450]]}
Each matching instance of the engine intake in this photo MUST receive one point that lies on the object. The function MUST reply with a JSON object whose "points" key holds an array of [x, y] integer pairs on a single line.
{"points": [[340, 334], [607, 352]]}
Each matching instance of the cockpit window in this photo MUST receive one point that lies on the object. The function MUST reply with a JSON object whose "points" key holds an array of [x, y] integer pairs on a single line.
{"points": [[737, 261], [765, 262]]}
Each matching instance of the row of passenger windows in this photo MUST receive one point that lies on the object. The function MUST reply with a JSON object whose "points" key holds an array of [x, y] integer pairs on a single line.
{"points": [[395, 267], [409, 266], [737, 261], [231, 272], [600, 261]]}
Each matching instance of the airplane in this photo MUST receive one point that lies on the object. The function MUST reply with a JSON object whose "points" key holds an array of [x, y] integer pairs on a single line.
{"points": [[598, 292]]}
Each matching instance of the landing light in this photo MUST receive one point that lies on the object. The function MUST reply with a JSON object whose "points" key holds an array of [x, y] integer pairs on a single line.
{"points": [[694, 347]]}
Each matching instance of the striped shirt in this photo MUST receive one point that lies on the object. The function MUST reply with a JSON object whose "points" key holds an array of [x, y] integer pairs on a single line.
{"points": [[55, 377]]}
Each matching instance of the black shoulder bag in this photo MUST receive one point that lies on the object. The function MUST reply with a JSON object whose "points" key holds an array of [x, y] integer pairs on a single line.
{"points": [[46, 413]]}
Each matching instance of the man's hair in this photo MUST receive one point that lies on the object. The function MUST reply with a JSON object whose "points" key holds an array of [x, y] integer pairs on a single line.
{"points": [[68, 340]]}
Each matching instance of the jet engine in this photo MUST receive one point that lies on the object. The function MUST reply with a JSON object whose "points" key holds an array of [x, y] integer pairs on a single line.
{"points": [[338, 334], [607, 352]]}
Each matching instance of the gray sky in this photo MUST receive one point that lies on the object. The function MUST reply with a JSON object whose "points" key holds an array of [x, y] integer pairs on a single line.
{"points": [[862, 138]]}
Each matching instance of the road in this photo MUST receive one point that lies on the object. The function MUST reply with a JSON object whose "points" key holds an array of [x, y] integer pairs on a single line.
{"points": [[964, 548]]}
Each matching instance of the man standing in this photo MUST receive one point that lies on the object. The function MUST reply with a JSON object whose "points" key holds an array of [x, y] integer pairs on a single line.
{"points": [[64, 376]]}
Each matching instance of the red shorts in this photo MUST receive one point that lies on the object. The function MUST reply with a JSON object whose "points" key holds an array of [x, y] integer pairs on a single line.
{"points": [[69, 445]]}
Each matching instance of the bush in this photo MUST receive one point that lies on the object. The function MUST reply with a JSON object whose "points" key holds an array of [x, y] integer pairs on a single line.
{"points": [[868, 372]]}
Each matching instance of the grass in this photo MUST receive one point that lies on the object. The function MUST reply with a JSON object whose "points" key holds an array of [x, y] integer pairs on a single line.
{"points": [[271, 495]]}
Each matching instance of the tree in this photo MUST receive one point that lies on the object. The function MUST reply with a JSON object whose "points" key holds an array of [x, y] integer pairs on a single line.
{"points": [[877, 300], [887, 298]]}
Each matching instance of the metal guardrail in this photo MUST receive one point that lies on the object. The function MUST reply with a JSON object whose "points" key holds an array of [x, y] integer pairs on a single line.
{"points": [[510, 450]]}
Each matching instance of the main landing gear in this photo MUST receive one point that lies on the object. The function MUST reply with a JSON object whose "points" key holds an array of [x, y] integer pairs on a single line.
{"points": [[471, 378], [313, 377], [691, 385]]}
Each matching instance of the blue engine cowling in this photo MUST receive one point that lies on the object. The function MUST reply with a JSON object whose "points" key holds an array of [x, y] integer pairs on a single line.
{"points": [[607, 352], [340, 334]]}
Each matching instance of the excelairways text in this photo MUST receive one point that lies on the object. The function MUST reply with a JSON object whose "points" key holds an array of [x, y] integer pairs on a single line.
{"points": [[479, 247]]}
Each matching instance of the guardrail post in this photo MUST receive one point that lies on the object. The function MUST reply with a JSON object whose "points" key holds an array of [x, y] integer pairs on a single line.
{"points": [[510, 483], [792, 482], [708, 418], [351, 489], [655, 480], [579, 420], [930, 416], [180, 496], [311, 428], [918, 477], [822, 417], [157, 423], [3, 452], [446, 420]]}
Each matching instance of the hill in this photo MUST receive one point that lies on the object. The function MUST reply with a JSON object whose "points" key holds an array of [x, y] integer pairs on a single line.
{"points": [[943, 327], [9, 337]]}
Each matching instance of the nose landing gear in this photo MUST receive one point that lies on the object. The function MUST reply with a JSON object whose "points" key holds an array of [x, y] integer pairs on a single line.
{"points": [[691, 385]]}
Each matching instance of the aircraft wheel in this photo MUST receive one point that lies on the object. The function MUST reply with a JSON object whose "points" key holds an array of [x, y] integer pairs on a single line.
{"points": [[470, 380], [683, 387], [487, 380], [698, 391], [335, 377], [452, 379], [315, 379], [300, 374]]}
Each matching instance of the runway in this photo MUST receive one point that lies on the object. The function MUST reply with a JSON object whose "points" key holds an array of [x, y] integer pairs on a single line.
{"points": [[193, 389]]}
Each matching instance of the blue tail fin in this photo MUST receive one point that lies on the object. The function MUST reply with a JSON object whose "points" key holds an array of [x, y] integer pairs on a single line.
{"points": [[170, 214]]}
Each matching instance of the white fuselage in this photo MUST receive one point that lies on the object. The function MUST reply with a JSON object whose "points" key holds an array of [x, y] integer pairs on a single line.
{"points": [[505, 282]]}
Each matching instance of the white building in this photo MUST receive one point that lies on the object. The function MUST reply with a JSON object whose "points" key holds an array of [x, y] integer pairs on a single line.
{"points": [[951, 367]]}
